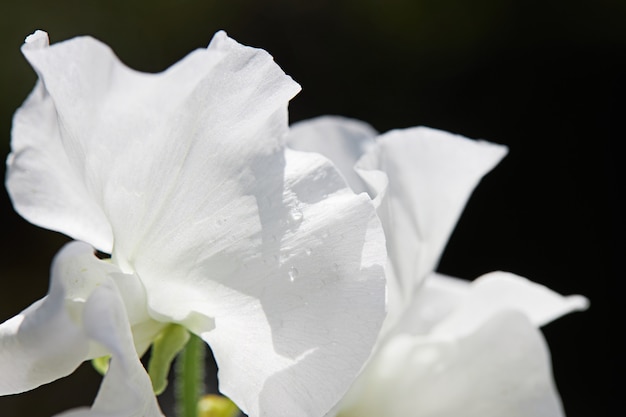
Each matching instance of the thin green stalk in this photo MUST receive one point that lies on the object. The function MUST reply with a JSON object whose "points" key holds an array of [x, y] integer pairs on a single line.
{"points": [[190, 377]]}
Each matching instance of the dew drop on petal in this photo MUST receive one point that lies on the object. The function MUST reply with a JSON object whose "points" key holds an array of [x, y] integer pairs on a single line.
{"points": [[296, 215], [293, 273]]}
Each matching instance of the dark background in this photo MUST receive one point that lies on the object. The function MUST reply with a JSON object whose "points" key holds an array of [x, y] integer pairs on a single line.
{"points": [[543, 77]]}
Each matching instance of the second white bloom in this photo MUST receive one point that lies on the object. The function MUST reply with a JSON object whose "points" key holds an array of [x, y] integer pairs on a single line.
{"points": [[449, 347]]}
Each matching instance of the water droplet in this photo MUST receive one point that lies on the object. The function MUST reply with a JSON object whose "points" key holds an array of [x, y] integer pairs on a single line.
{"points": [[296, 215], [293, 273]]}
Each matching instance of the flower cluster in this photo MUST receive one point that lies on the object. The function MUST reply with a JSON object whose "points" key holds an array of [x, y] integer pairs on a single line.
{"points": [[303, 255]]}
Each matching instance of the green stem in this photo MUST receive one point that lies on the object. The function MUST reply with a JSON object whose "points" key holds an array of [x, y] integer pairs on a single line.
{"points": [[190, 377]]}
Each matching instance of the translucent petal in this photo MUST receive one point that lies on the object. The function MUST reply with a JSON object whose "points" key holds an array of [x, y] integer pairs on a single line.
{"points": [[339, 139], [436, 299], [291, 305], [431, 175], [448, 305], [500, 291], [500, 369]]}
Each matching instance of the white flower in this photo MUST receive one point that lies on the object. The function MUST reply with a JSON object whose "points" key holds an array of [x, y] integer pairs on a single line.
{"points": [[183, 178], [449, 348]]}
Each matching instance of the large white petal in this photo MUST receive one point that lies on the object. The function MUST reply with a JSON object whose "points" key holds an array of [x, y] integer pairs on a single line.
{"points": [[431, 176], [500, 369], [141, 153], [291, 304]]}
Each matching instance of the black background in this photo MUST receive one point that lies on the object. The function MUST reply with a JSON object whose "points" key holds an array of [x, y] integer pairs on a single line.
{"points": [[543, 77]]}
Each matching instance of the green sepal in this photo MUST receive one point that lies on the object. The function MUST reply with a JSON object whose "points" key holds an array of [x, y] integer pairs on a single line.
{"points": [[165, 347], [101, 364], [212, 405]]}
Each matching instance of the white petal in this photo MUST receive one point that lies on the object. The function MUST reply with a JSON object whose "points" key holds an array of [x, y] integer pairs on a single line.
{"points": [[339, 139], [501, 291], [115, 145], [126, 390], [44, 342], [448, 305], [82, 316], [79, 272], [431, 176], [501, 369], [438, 297], [39, 345], [44, 186], [292, 310]]}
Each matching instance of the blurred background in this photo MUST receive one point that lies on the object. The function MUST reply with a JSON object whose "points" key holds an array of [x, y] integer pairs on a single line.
{"points": [[544, 77]]}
